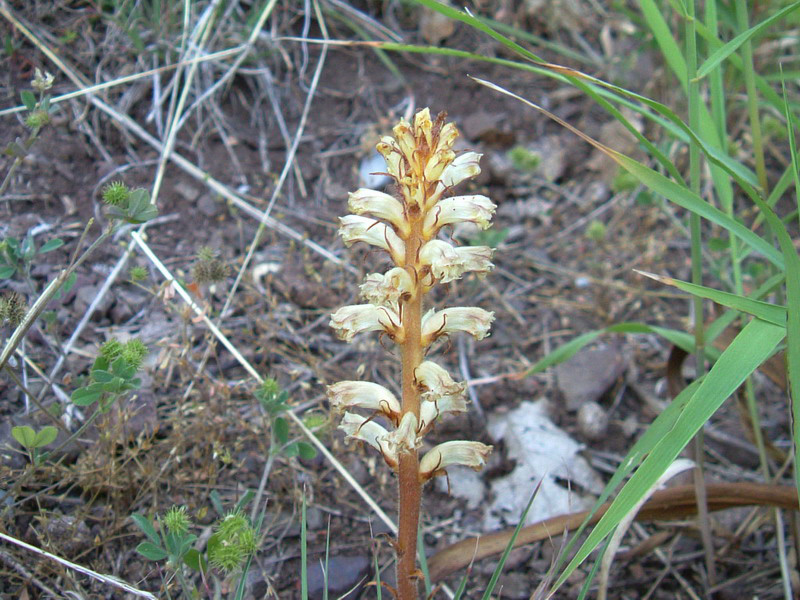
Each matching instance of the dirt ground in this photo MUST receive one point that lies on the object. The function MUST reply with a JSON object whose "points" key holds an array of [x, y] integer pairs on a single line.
{"points": [[569, 234]]}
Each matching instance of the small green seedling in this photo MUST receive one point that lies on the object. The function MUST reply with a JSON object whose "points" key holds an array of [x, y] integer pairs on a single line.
{"points": [[18, 256], [229, 549], [33, 440], [112, 375], [131, 206], [523, 159], [275, 401]]}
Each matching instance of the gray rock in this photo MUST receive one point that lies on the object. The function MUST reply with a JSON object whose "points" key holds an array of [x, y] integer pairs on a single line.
{"points": [[588, 375], [592, 420], [208, 206], [344, 574]]}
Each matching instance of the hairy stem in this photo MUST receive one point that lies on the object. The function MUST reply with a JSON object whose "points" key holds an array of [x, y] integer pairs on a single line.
{"points": [[409, 485]]}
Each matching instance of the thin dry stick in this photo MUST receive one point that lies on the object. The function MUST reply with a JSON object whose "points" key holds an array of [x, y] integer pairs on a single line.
{"points": [[257, 376], [254, 244], [202, 28], [75, 567], [189, 167]]}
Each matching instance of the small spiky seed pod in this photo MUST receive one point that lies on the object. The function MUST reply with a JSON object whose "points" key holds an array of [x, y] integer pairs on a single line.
{"points": [[111, 350], [13, 308], [138, 273], [116, 193], [177, 521], [226, 556], [209, 268], [37, 119], [134, 352]]}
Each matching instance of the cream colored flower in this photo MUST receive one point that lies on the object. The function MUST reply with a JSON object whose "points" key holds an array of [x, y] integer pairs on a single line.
{"points": [[396, 163], [437, 164], [358, 318], [386, 289], [380, 205], [465, 166], [364, 430], [345, 395], [431, 410], [448, 263], [406, 437], [436, 382], [459, 209], [42, 81], [355, 228], [458, 452], [472, 320]]}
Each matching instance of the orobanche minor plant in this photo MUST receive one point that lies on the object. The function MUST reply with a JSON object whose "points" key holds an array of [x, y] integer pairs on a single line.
{"points": [[421, 160]]}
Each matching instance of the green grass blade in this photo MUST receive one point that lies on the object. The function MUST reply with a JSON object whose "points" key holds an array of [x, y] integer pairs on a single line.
{"points": [[423, 562], [662, 33], [672, 191], [487, 594], [749, 349], [303, 551], [327, 561], [772, 313], [657, 430], [725, 51], [792, 300], [567, 350], [468, 19]]}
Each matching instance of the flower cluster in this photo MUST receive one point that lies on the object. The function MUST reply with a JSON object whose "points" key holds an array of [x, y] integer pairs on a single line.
{"points": [[421, 161]]}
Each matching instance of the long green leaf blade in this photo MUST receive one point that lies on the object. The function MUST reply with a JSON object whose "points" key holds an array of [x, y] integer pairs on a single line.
{"points": [[725, 51], [749, 349]]}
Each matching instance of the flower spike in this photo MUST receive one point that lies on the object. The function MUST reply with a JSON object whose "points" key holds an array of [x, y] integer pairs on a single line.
{"points": [[420, 158]]}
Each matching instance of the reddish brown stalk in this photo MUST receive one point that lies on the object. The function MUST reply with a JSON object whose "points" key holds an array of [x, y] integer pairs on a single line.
{"points": [[409, 485]]}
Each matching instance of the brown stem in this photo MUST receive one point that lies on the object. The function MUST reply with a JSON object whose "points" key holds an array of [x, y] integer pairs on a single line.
{"points": [[673, 503], [409, 485], [409, 497]]}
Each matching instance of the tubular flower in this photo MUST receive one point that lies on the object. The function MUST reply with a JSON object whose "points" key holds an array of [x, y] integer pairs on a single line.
{"points": [[351, 320], [462, 168], [459, 209], [387, 289], [364, 394], [472, 320], [362, 429], [437, 383], [380, 205], [447, 263], [420, 158], [355, 228], [458, 452]]}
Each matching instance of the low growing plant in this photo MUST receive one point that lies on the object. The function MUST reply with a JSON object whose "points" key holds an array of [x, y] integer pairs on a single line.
{"points": [[228, 551]]}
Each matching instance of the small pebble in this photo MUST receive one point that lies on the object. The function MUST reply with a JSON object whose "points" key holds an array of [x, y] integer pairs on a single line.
{"points": [[592, 420]]}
